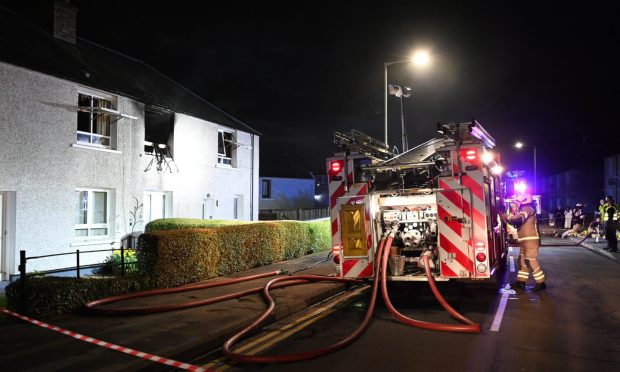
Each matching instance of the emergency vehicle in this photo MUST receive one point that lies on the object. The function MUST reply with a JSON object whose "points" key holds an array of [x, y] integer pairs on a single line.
{"points": [[441, 197]]}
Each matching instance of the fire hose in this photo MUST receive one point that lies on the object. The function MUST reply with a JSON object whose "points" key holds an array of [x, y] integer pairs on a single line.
{"points": [[380, 278], [569, 245]]}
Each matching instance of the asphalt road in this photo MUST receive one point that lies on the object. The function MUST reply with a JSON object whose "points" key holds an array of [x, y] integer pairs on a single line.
{"points": [[572, 326]]}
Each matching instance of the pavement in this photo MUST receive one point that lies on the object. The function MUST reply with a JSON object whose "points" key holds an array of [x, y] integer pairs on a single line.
{"points": [[180, 335], [597, 247]]}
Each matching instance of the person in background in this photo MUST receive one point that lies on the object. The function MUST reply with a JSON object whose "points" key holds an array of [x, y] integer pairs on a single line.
{"points": [[578, 215], [611, 224], [568, 218], [601, 209], [529, 243], [574, 231], [594, 228]]}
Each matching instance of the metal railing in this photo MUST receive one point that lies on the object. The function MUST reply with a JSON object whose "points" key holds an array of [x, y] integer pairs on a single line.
{"points": [[23, 260]]}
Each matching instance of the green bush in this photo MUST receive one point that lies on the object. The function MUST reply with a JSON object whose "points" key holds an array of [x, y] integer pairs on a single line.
{"points": [[188, 223], [51, 296], [180, 256], [112, 263]]}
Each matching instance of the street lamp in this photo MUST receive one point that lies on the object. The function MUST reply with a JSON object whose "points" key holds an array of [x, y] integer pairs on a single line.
{"points": [[420, 58], [519, 145], [401, 91]]}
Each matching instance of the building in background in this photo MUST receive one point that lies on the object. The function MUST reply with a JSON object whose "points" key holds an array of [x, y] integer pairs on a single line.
{"points": [[94, 144], [293, 198], [611, 177], [568, 188]]}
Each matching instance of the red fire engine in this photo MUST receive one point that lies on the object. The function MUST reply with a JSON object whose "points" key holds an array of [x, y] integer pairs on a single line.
{"points": [[440, 199]]}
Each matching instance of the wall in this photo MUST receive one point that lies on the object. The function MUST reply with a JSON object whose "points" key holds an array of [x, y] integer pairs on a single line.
{"points": [[200, 177]]}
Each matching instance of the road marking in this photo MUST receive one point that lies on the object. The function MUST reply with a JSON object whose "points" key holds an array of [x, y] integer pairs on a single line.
{"points": [[497, 321], [512, 264], [269, 339]]}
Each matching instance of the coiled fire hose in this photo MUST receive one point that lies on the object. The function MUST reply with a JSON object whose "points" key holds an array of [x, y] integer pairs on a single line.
{"points": [[380, 278]]}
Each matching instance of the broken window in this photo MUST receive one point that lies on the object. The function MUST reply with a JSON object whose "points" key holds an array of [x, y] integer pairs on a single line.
{"points": [[225, 147], [158, 130], [93, 126], [159, 138]]}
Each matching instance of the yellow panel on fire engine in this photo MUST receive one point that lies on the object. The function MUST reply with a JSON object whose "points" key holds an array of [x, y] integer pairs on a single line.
{"points": [[353, 230]]}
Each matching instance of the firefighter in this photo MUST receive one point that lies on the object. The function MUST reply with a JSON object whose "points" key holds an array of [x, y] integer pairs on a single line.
{"points": [[529, 243], [610, 216]]}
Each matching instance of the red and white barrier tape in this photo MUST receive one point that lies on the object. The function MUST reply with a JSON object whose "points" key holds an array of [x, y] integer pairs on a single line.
{"points": [[122, 349]]}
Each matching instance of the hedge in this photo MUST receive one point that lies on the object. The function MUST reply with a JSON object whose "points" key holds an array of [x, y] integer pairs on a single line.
{"points": [[173, 256], [188, 223], [179, 256], [44, 297]]}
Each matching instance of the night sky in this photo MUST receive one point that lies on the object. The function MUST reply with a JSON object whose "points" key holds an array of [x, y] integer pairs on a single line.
{"points": [[546, 75]]}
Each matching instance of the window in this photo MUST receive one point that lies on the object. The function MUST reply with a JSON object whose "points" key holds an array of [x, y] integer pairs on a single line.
{"points": [[91, 213], [265, 189], [225, 147], [93, 126]]}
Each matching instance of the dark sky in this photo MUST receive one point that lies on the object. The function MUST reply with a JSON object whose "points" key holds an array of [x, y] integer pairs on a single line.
{"points": [[297, 71]]}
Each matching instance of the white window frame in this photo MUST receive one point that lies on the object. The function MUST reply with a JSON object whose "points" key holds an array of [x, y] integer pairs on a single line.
{"points": [[89, 216], [224, 159], [91, 134]]}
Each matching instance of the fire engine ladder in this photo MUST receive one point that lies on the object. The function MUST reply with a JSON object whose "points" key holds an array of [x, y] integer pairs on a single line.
{"points": [[358, 142], [415, 157]]}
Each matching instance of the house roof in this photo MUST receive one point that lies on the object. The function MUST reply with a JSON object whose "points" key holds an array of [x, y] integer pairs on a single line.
{"points": [[27, 45]]}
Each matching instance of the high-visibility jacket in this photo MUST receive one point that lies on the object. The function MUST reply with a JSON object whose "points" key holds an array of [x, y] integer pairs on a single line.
{"points": [[525, 222], [606, 212]]}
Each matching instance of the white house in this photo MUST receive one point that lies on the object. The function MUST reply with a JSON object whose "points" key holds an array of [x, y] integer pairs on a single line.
{"points": [[86, 133]]}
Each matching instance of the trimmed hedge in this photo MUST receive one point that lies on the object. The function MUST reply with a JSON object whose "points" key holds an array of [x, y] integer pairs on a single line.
{"points": [[188, 223], [176, 257], [51, 296]]}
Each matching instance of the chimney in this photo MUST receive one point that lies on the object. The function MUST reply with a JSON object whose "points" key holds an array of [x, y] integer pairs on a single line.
{"points": [[64, 21]]}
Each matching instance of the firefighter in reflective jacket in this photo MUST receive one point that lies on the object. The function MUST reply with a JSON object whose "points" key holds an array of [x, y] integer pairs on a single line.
{"points": [[529, 242], [610, 216]]}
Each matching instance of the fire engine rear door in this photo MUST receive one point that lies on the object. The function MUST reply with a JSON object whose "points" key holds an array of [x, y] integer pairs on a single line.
{"points": [[455, 231]]}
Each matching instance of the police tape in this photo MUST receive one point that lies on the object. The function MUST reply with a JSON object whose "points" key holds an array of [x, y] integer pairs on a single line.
{"points": [[122, 349]]}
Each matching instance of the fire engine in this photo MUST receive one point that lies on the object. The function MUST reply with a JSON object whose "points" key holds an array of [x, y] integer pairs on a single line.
{"points": [[442, 199]]}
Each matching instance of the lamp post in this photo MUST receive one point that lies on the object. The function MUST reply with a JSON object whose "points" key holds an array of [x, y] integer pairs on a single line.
{"points": [[520, 145], [419, 58]]}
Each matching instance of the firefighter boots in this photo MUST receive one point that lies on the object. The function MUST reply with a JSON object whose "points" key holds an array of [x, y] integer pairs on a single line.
{"points": [[518, 285], [539, 287]]}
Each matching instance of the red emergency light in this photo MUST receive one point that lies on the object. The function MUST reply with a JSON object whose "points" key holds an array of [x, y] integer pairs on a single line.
{"points": [[470, 155], [335, 166]]}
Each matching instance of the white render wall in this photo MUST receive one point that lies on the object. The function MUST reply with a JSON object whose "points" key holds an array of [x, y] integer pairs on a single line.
{"points": [[200, 177], [41, 166]]}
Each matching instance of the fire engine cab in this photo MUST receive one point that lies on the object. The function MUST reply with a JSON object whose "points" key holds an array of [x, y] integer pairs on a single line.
{"points": [[442, 198]]}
